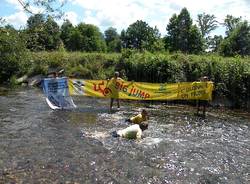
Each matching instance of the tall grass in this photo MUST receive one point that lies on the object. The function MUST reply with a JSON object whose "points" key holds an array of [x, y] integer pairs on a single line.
{"points": [[231, 76]]}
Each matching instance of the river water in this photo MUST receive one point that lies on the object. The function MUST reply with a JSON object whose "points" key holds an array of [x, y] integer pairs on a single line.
{"points": [[38, 145]]}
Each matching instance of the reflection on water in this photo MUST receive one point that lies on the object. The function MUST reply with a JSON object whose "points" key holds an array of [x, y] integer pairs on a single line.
{"points": [[39, 145]]}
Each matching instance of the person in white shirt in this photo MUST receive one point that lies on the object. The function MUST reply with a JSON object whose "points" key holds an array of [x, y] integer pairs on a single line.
{"points": [[131, 132]]}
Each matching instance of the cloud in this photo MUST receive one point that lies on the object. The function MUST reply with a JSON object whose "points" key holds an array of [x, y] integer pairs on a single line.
{"points": [[18, 19], [72, 17], [120, 14]]}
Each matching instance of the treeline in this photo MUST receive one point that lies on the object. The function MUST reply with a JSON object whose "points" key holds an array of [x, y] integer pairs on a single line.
{"points": [[42, 33]]}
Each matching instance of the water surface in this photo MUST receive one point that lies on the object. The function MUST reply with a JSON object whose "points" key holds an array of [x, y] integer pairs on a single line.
{"points": [[38, 145]]}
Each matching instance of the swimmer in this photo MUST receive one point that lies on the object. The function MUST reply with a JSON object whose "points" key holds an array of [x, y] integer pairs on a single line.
{"points": [[138, 119], [131, 132]]}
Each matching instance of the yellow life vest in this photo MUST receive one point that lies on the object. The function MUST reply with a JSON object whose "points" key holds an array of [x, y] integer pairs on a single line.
{"points": [[138, 119]]}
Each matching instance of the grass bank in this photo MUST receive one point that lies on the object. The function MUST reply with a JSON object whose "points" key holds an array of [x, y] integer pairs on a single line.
{"points": [[230, 75]]}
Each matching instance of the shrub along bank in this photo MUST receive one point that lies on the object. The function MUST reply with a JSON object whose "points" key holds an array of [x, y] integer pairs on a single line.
{"points": [[230, 75]]}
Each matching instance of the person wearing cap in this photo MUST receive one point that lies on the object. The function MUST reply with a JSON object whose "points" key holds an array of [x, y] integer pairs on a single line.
{"points": [[131, 132], [141, 117], [113, 80]]}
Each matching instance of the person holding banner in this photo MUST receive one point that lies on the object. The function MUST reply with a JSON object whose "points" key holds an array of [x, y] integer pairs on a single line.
{"points": [[115, 94], [202, 103]]}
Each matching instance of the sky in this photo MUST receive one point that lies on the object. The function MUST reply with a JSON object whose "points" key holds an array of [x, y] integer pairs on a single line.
{"points": [[120, 14]]}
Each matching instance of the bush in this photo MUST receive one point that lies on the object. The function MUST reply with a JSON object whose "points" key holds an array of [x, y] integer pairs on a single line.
{"points": [[231, 76], [12, 54]]}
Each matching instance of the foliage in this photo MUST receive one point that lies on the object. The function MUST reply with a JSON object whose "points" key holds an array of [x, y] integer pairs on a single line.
{"points": [[214, 43], [231, 76], [12, 53], [87, 37], [42, 33], [141, 36], [66, 32], [113, 40], [237, 42], [52, 34], [182, 35], [231, 23], [206, 24]]}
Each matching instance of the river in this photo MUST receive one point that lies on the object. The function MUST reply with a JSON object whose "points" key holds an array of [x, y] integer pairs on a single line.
{"points": [[38, 145]]}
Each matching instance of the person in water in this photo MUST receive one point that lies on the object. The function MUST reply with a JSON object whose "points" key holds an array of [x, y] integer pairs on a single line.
{"points": [[138, 119], [203, 103], [131, 132], [113, 81]]}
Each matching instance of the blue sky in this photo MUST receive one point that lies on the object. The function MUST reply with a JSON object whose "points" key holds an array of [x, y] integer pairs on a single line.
{"points": [[121, 13]]}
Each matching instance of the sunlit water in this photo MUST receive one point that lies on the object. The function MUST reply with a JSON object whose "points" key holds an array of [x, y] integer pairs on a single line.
{"points": [[38, 145]]}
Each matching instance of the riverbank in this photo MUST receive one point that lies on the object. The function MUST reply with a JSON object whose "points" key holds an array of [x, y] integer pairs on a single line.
{"points": [[231, 76]]}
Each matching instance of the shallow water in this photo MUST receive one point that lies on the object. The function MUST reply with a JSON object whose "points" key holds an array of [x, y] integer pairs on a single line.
{"points": [[38, 145]]}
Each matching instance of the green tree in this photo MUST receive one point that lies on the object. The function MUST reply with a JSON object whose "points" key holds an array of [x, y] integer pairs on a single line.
{"points": [[52, 34], [171, 40], [113, 40], [75, 40], [123, 39], [66, 32], [140, 35], [195, 42], [35, 21], [237, 42], [87, 37], [206, 24], [42, 33], [231, 23], [36, 38], [12, 52], [214, 43], [182, 35]]}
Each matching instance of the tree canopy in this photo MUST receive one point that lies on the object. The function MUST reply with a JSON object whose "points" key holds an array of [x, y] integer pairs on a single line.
{"points": [[87, 37], [182, 35], [43, 33], [206, 23], [238, 41], [140, 35], [113, 40]]}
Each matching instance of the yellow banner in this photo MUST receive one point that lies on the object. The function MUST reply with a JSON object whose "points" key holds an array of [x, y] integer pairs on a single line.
{"points": [[117, 88]]}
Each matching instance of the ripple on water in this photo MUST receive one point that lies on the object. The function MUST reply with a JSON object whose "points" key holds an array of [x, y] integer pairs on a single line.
{"points": [[44, 146]]}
